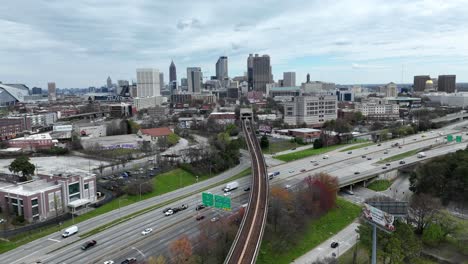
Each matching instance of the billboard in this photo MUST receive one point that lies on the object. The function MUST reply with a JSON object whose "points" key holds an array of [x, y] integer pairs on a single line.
{"points": [[379, 217]]}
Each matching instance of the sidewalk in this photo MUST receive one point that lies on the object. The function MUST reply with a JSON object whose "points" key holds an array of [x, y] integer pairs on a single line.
{"points": [[346, 239]]}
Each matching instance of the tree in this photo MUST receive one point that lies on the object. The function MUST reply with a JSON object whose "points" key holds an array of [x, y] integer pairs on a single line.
{"points": [[181, 250], [422, 210], [173, 139], [22, 164], [433, 234], [318, 143], [157, 260], [264, 143]]}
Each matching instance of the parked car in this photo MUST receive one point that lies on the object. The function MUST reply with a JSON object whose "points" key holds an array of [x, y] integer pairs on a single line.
{"points": [[146, 231], [200, 217], [199, 207], [88, 244], [334, 244]]}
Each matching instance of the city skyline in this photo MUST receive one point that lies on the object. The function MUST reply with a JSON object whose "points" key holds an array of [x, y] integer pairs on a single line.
{"points": [[378, 42]]}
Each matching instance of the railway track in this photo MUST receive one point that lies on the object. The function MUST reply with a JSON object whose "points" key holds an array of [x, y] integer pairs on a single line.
{"points": [[247, 243]]}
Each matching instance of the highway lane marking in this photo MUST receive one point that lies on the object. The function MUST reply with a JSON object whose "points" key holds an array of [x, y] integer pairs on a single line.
{"points": [[55, 240], [139, 251]]}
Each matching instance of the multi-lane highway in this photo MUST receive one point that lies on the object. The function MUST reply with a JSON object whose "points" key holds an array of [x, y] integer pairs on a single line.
{"points": [[125, 240], [247, 243]]}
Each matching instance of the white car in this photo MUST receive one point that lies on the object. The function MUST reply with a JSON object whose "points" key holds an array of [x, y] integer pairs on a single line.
{"points": [[214, 219], [169, 212], [147, 231], [287, 186], [227, 193], [325, 156], [109, 262], [2, 220]]}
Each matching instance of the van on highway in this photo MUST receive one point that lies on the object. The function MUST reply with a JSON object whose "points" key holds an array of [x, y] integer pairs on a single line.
{"points": [[70, 231]]}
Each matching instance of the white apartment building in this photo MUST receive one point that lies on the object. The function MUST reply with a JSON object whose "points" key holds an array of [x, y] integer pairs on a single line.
{"points": [[378, 108], [459, 99], [312, 110], [148, 82]]}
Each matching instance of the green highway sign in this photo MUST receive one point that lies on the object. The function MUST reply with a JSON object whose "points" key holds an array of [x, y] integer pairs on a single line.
{"points": [[458, 139], [222, 202], [207, 199], [449, 138]]}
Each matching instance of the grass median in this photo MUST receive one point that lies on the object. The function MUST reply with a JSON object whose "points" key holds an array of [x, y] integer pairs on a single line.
{"points": [[399, 156], [306, 153], [379, 185], [165, 178], [316, 232]]}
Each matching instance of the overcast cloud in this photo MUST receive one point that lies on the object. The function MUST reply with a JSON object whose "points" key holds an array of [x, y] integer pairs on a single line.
{"points": [[79, 43]]}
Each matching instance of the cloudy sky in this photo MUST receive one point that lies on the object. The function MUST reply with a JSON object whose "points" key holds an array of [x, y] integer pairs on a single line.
{"points": [[79, 43]]}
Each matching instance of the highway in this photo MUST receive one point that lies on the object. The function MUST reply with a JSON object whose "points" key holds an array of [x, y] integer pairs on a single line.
{"points": [[125, 240], [247, 243]]}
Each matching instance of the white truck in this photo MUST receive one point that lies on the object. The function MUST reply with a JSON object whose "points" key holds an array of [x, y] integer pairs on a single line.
{"points": [[231, 186], [70, 231], [421, 155]]}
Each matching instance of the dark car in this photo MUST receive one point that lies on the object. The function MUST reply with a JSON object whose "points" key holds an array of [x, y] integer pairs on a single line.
{"points": [[350, 152], [388, 164], [334, 244], [402, 162], [383, 168], [293, 149], [88, 244], [247, 189], [200, 217], [184, 206], [199, 207], [363, 156], [128, 261], [303, 170], [356, 172], [369, 158], [378, 145]]}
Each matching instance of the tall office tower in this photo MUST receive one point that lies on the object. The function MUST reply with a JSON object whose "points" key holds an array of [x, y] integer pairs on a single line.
{"points": [[194, 79], [109, 82], [447, 83], [391, 90], [419, 83], [222, 68], [161, 81], [261, 72], [172, 76], [183, 84], [52, 91], [289, 79], [148, 82], [308, 78], [250, 71]]}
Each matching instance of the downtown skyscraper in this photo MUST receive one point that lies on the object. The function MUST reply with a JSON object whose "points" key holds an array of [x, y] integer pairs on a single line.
{"points": [[194, 80], [222, 68], [172, 77], [148, 82], [261, 71]]}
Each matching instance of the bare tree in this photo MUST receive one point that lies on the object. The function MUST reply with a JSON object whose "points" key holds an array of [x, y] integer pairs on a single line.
{"points": [[422, 210]]}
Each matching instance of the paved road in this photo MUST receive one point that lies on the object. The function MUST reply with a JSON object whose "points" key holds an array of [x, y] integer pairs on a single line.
{"points": [[127, 235]]}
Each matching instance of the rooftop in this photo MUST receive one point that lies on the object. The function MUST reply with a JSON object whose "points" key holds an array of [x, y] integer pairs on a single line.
{"points": [[34, 137], [287, 88], [157, 132], [304, 130]]}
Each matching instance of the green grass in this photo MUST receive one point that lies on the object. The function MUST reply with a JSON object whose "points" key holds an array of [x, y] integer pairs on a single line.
{"points": [[315, 233], [400, 156], [379, 185], [280, 146], [305, 153], [171, 177], [358, 146]]}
